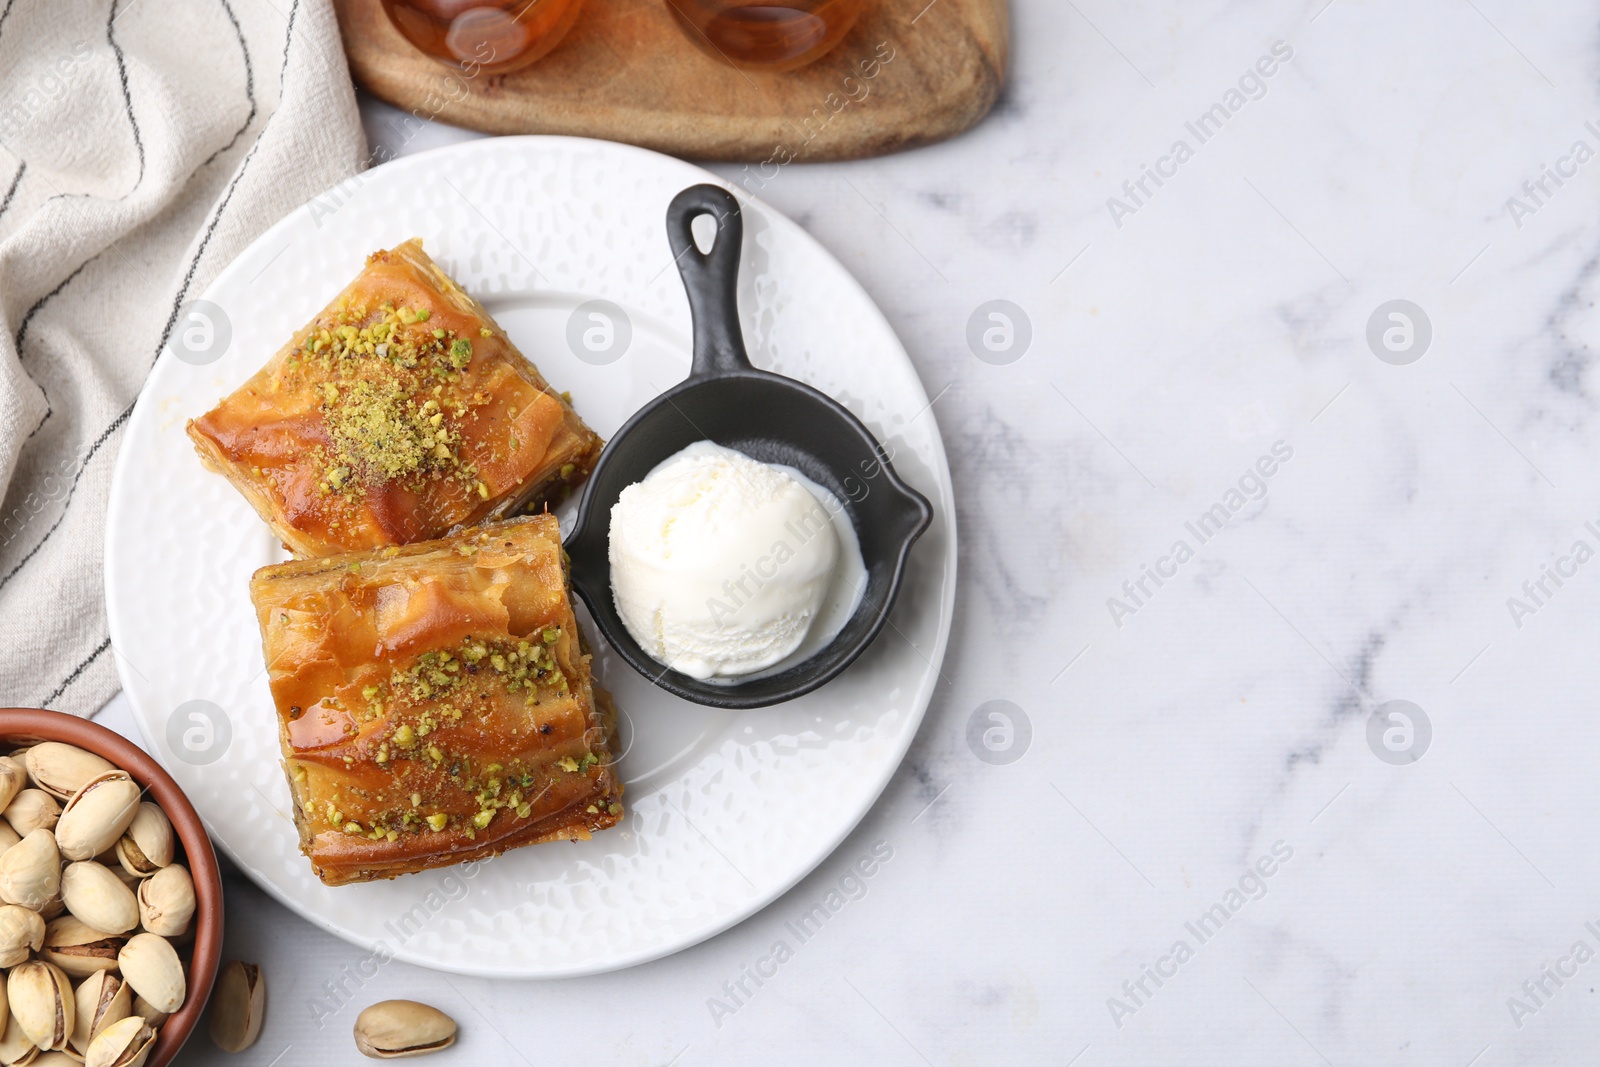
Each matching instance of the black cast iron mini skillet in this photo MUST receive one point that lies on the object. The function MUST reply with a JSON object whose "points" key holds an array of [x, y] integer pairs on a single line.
{"points": [[768, 417]]}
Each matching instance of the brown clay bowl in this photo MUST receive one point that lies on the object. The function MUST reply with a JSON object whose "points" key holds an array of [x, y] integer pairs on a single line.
{"points": [[20, 726]]}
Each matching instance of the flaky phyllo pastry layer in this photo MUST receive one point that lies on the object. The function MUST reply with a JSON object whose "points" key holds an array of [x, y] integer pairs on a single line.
{"points": [[435, 702], [401, 412]]}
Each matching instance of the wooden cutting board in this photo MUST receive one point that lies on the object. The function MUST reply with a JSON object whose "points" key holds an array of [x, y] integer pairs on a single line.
{"points": [[626, 72]]}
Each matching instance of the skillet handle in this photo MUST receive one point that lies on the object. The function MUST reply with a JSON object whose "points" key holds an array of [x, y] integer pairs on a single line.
{"points": [[711, 280]]}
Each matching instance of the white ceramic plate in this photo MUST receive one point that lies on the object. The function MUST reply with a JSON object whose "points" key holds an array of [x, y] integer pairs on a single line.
{"points": [[725, 810]]}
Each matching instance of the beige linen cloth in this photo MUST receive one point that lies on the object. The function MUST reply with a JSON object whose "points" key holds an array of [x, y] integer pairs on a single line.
{"points": [[143, 144]]}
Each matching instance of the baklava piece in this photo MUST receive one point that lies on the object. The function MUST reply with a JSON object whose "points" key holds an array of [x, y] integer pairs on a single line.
{"points": [[435, 702], [400, 413]]}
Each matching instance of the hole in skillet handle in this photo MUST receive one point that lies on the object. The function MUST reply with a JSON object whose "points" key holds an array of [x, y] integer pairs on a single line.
{"points": [[770, 418]]}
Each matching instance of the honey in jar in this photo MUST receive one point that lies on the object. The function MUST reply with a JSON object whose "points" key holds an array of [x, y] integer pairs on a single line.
{"points": [[784, 35], [492, 36]]}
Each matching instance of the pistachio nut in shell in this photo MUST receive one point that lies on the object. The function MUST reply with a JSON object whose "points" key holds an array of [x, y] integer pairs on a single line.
{"points": [[78, 948], [41, 999], [146, 845], [147, 1011], [125, 1043], [55, 1059], [61, 769], [30, 870], [101, 999], [8, 836], [97, 815], [92, 893], [238, 1004], [391, 1029], [21, 932], [15, 1045], [32, 809], [13, 780], [53, 906], [166, 901], [150, 965]]}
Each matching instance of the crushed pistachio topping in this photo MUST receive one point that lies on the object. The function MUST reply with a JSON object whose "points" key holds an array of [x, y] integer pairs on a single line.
{"points": [[443, 687], [380, 375]]}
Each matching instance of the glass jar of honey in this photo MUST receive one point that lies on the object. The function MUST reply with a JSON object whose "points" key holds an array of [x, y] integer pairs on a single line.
{"points": [[492, 36], [772, 35]]}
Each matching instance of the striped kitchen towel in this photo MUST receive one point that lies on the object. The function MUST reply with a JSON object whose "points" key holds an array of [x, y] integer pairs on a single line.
{"points": [[143, 144]]}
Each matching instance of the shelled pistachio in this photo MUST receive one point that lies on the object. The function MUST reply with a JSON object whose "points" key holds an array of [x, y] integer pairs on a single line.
{"points": [[61, 769], [238, 1005], [101, 999], [78, 948], [147, 844], [21, 932], [167, 901], [98, 897], [40, 997], [32, 809], [392, 1029], [97, 815], [125, 1043], [30, 871], [150, 965]]}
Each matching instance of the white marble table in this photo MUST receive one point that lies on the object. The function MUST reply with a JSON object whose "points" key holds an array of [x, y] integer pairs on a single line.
{"points": [[1189, 335]]}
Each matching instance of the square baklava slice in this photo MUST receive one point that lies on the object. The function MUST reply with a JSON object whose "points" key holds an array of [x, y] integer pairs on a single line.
{"points": [[401, 412], [435, 702]]}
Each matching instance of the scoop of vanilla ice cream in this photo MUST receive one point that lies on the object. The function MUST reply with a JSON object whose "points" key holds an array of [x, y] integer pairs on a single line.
{"points": [[719, 563]]}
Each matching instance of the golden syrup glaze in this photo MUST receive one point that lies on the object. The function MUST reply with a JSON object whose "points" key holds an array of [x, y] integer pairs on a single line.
{"points": [[435, 701], [399, 413]]}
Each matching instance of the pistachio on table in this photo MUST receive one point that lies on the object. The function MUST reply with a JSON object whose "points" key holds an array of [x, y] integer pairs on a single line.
{"points": [[101, 999], [21, 932], [167, 901], [78, 948], [238, 1005], [32, 809], [41, 1000], [125, 1043], [391, 1029], [146, 846], [30, 870], [92, 893], [61, 769], [150, 965], [97, 815]]}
